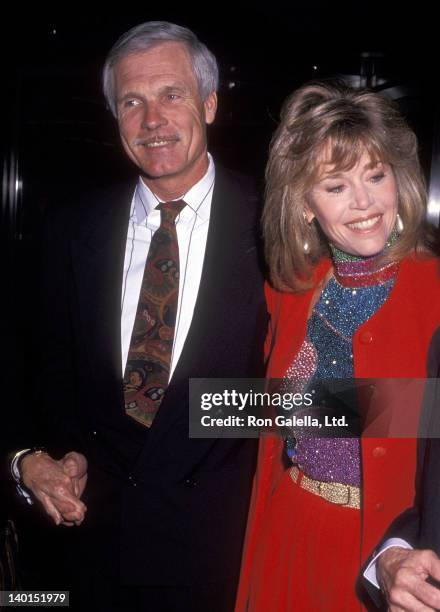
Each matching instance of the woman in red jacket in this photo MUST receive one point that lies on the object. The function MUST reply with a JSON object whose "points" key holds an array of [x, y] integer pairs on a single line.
{"points": [[354, 293]]}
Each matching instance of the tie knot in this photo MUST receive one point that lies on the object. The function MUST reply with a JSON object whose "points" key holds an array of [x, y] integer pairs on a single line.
{"points": [[170, 210]]}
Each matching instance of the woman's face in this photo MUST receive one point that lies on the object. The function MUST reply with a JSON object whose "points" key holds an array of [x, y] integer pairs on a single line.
{"points": [[357, 208]]}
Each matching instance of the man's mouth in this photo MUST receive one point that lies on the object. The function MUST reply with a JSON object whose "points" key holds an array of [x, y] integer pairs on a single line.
{"points": [[154, 143], [363, 225]]}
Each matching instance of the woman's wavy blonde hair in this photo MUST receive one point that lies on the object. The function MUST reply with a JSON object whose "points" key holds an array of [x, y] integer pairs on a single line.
{"points": [[330, 118]]}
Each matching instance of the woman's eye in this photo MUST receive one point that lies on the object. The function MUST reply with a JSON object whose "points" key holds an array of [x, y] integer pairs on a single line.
{"points": [[335, 189], [376, 178]]}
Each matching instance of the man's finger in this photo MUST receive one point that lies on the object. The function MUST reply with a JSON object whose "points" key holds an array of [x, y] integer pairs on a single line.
{"points": [[66, 508], [70, 513], [75, 483], [434, 567], [428, 594], [66, 503], [50, 508], [403, 601], [62, 512], [79, 484], [409, 602], [70, 467], [74, 464]]}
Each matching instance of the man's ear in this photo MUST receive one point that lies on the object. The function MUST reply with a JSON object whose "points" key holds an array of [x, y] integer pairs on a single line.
{"points": [[210, 105]]}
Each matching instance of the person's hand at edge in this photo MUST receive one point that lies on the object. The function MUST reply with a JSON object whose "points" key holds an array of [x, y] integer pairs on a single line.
{"points": [[402, 575], [57, 485]]}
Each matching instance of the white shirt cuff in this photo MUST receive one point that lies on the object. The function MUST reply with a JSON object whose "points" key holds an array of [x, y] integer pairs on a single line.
{"points": [[17, 476], [370, 572]]}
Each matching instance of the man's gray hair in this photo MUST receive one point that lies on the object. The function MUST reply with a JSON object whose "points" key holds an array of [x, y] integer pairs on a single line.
{"points": [[149, 34]]}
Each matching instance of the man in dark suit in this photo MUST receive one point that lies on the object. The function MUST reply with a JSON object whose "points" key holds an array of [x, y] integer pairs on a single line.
{"points": [[407, 564], [160, 523]]}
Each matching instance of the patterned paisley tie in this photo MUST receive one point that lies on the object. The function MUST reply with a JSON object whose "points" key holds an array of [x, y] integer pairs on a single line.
{"points": [[149, 357]]}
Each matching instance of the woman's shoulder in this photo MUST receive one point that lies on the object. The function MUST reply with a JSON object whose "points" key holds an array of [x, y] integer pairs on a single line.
{"points": [[277, 299], [282, 304], [419, 282], [421, 267]]}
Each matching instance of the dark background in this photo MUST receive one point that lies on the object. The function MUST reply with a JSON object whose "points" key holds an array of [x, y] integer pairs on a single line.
{"points": [[59, 139], [60, 136]]}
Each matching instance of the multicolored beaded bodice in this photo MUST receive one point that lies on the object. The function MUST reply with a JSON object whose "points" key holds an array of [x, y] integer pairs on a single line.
{"points": [[351, 297]]}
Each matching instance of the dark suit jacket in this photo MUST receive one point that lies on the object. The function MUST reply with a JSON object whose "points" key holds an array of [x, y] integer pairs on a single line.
{"points": [[420, 524], [163, 509]]}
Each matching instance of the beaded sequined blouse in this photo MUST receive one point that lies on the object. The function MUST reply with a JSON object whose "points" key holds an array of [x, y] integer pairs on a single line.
{"points": [[349, 299]]}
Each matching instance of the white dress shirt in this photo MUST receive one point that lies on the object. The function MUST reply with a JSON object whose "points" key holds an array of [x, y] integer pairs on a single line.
{"points": [[192, 232]]}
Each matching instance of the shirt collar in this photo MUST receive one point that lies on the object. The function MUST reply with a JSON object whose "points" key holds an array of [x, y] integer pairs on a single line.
{"points": [[198, 198]]}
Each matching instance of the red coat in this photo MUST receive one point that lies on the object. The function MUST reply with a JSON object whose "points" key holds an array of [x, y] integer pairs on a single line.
{"points": [[393, 343]]}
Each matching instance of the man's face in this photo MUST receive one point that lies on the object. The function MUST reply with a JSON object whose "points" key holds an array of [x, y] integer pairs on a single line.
{"points": [[162, 119]]}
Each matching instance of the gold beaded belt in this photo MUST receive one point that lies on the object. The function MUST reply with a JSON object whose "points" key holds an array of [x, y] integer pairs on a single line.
{"points": [[333, 492]]}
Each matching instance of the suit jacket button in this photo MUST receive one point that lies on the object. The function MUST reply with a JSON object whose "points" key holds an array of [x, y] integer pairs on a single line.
{"points": [[132, 480], [190, 483], [366, 337], [379, 451]]}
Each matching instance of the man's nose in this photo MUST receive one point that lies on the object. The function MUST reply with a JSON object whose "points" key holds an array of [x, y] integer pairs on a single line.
{"points": [[153, 117]]}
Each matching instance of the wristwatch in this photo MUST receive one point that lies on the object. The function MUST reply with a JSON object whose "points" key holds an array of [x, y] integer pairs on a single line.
{"points": [[16, 471]]}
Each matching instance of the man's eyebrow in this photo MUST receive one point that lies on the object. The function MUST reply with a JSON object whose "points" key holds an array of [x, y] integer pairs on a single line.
{"points": [[176, 87], [129, 94]]}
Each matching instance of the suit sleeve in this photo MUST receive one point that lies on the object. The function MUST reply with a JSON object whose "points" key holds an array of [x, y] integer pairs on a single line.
{"points": [[408, 525], [56, 385]]}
